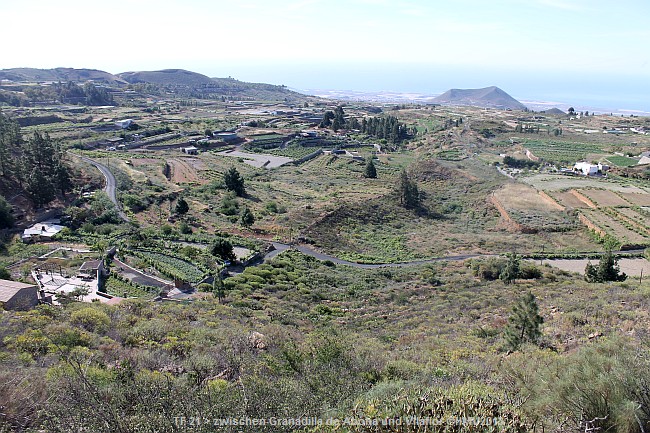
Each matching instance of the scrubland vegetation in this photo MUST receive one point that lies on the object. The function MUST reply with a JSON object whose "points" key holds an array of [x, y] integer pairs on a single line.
{"points": [[454, 326]]}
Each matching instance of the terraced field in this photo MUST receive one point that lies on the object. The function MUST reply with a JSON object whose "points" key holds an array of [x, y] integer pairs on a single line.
{"points": [[615, 227], [604, 198]]}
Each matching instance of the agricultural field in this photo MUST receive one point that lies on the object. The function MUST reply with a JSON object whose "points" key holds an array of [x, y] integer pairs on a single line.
{"points": [[561, 152], [619, 229], [568, 199], [533, 211], [603, 198], [171, 266], [622, 161]]}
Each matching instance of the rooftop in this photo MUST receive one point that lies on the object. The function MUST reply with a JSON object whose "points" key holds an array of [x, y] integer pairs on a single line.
{"points": [[9, 288]]}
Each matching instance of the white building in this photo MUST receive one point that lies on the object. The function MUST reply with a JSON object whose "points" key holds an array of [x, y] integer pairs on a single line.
{"points": [[124, 123], [588, 169], [42, 231]]}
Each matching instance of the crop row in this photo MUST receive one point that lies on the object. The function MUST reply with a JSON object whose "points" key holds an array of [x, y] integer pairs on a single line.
{"points": [[562, 151], [171, 266]]}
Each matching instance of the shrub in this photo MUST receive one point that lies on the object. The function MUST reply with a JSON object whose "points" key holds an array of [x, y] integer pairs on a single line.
{"points": [[91, 319]]}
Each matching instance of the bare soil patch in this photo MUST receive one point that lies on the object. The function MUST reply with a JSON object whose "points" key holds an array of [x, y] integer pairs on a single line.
{"points": [[567, 199], [632, 267], [184, 170], [524, 197], [604, 198], [139, 162], [636, 198]]}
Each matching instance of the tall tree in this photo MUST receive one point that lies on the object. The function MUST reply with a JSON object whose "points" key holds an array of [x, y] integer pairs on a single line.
{"points": [[234, 182], [510, 271], [218, 288], [223, 249], [247, 217], [181, 206], [524, 323], [6, 218], [9, 143], [370, 171], [327, 119], [409, 194]]}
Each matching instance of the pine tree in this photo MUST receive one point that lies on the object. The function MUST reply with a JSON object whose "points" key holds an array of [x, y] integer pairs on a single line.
{"points": [[370, 171], [218, 288], [181, 206], [234, 182], [6, 218], [39, 188], [524, 323], [511, 271], [607, 270], [9, 143], [409, 195], [247, 217]]}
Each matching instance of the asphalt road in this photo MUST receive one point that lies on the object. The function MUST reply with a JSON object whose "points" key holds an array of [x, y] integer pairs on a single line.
{"points": [[111, 184]]}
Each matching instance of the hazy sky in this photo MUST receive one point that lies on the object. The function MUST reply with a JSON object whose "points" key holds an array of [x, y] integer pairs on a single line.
{"points": [[530, 48]]}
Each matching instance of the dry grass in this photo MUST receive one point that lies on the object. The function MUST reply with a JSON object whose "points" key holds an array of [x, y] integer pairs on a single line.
{"points": [[604, 198], [567, 199], [524, 197], [636, 198]]}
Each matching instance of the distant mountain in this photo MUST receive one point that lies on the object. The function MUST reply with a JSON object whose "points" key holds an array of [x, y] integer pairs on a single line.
{"points": [[177, 81], [201, 86], [489, 97], [167, 77], [553, 111], [59, 74]]}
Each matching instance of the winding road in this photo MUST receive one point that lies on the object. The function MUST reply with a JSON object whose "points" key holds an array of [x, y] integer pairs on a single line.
{"points": [[111, 188], [111, 184]]}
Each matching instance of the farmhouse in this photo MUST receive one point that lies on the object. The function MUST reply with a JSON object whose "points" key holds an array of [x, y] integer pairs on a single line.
{"points": [[191, 150], [588, 169], [124, 123], [225, 136], [18, 296], [42, 231], [89, 269]]}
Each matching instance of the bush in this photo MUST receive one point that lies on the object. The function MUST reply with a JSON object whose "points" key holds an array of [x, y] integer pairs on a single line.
{"points": [[91, 319]]}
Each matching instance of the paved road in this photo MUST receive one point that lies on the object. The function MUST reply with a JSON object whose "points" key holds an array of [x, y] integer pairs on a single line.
{"points": [[111, 184]]}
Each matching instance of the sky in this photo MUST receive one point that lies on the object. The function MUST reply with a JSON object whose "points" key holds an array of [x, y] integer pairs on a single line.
{"points": [[590, 52]]}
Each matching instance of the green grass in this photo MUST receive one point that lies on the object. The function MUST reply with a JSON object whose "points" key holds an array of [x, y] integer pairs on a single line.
{"points": [[123, 289], [622, 161], [171, 266]]}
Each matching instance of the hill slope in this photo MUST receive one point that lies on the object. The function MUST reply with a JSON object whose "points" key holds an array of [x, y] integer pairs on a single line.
{"points": [[488, 97], [59, 74], [201, 86], [167, 77]]}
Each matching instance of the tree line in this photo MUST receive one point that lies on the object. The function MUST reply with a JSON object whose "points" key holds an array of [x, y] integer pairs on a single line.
{"points": [[36, 164], [67, 93], [388, 127]]}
